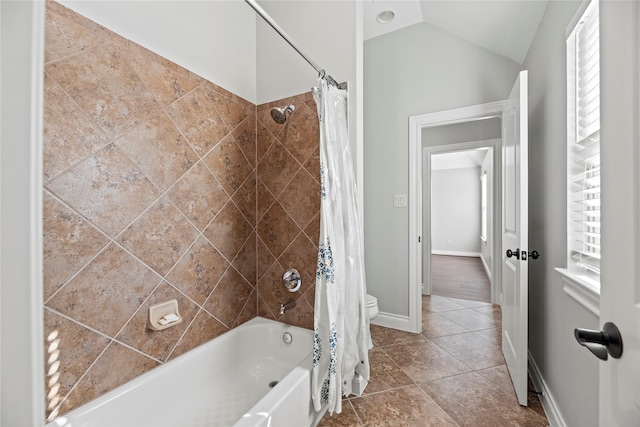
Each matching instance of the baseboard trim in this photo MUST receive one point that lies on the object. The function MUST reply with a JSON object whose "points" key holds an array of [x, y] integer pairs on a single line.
{"points": [[394, 321], [546, 398], [455, 253]]}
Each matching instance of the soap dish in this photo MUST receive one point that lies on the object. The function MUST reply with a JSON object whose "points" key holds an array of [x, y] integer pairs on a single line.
{"points": [[158, 312]]}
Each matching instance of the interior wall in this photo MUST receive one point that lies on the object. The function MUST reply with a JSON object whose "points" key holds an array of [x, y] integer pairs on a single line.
{"points": [[455, 212], [569, 371], [416, 70], [193, 34]]}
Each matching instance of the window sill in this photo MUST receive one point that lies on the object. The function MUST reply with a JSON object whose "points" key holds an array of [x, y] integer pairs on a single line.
{"points": [[582, 289]]}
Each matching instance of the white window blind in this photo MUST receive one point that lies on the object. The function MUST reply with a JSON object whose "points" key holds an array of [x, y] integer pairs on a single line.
{"points": [[583, 47]]}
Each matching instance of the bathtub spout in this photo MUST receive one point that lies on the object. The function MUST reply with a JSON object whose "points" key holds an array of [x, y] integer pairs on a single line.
{"points": [[284, 307]]}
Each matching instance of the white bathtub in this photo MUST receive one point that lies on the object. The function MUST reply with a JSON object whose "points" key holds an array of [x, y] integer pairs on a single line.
{"points": [[225, 382]]}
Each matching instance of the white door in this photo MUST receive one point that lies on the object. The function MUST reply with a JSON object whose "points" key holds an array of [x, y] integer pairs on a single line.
{"points": [[515, 235], [620, 199]]}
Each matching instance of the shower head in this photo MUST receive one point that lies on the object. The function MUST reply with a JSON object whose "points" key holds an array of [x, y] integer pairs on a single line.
{"points": [[279, 115]]}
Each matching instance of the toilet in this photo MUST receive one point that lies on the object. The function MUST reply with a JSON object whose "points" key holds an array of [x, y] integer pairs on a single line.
{"points": [[372, 306]]}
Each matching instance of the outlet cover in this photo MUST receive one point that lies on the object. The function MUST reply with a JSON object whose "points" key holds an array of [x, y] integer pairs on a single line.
{"points": [[399, 200]]}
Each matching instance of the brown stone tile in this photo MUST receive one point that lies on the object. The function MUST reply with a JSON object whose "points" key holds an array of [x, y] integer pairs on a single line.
{"points": [[301, 315], [250, 309], [265, 259], [492, 335], [69, 135], [499, 376], [105, 86], [246, 135], [264, 199], [271, 290], [229, 297], [245, 261], [494, 311], [196, 116], [425, 361], [277, 230], [245, 199], [166, 81], [471, 319], [114, 283], [347, 418], [264, 139], [385, 373], [312, 165], [107, 189], [406, 406], [276, 168], [310, 295], [160, 236], [159, 150], [301, 135], [64, 37], [472, 350], [264, 310], [198, 195], [303, 256], [198, 271], [230, 109], [387, 336], [74, 348], [228, 164], [301, 198], [158, 344], [229, 231], [69, 242], [313, 230], [439, 304], [472, 400], [203, 329], [117, 365], [434, 325]]}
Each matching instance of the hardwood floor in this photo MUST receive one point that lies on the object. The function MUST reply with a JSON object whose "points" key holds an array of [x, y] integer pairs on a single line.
{"points": [[459, 277]]}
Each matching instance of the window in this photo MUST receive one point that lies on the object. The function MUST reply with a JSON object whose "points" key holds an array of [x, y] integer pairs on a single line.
{"points": [[583, 146]]}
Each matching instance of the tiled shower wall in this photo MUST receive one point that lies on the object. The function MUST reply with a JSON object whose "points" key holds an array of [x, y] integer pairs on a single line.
{"points": [[158, 185]]}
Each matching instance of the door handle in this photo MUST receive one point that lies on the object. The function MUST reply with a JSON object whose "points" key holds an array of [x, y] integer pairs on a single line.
{"points": [[604, 343], [515, 253]]}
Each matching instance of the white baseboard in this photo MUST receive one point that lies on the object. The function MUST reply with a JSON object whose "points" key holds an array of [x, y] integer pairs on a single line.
{"points": [[394, 321], [486, 269], [546, 398], [455, 253]]}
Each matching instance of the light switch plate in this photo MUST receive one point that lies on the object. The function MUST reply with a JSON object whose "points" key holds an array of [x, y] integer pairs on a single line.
{"points": [[399, 200]]}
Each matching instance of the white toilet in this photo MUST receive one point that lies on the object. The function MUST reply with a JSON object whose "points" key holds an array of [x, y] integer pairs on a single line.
{"points": [[372, 306]]}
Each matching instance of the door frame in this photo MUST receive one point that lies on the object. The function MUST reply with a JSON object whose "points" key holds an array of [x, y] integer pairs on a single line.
{"points": [[416, 124], [494, 146]]}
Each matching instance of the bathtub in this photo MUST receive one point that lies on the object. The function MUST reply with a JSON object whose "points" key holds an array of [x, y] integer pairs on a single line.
{"points": [[247, 377]]}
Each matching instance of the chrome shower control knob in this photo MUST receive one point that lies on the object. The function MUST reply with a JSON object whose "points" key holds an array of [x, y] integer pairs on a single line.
{"points": [[291, 280]]}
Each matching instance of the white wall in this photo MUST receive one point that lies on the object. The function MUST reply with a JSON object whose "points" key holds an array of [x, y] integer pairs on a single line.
{"points": [[569, 370], [21, 356], [455, 211], [214, 39], [417, 70]]}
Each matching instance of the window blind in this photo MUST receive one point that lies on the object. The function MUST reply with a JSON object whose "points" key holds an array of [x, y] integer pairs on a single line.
{"points": [[584, 150]]}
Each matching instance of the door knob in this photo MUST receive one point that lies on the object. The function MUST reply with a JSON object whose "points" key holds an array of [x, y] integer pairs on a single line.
{"points": [[534, 255], [515, 253], [604, 343]]}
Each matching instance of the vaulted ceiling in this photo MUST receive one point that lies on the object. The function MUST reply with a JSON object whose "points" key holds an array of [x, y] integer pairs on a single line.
{"points": [[505, 27]]}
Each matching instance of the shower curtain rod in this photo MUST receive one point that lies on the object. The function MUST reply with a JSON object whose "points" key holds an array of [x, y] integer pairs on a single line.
{"points": [[280, 31]]}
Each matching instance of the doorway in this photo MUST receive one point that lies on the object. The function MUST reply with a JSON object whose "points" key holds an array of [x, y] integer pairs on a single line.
{"points": [[458, 183], [419, 128]]}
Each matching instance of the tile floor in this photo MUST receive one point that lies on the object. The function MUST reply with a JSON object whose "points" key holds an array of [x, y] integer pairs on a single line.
{"points": [[452, 374]]}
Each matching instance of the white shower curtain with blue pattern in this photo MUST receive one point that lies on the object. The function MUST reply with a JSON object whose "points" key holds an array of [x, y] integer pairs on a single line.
{"points": [[341, 322]]}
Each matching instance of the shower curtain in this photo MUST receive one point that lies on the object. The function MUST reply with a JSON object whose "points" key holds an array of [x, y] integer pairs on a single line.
{"points": [[341, 322]]}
